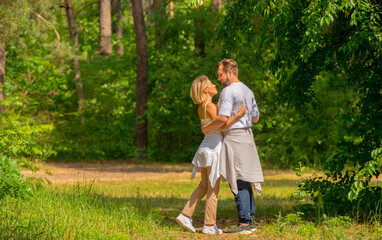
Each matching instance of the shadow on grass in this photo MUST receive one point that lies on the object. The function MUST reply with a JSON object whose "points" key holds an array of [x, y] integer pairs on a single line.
{"points": [[166, 209], [279, 183]]}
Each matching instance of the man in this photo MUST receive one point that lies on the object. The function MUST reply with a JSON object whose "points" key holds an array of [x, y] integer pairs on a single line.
{"points": [[239, 161]]}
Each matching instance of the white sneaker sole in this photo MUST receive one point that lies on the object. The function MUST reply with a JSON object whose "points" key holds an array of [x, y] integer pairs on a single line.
{"points": [[184, 226], [212, 233], [245, 232]]}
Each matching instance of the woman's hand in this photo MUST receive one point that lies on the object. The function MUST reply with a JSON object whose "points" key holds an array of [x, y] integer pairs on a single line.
{"points": [[204, 130], [242, 110]]}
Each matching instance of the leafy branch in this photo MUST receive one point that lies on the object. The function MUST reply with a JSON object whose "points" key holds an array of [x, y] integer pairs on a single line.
{"points": [[363, 177]]}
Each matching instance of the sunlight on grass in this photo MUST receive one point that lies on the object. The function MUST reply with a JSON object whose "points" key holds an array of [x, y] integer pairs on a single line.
{"points": [[145, 207]]}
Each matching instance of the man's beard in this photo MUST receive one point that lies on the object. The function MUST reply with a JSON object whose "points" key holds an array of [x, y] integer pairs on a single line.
{"points": [[227, 82]]}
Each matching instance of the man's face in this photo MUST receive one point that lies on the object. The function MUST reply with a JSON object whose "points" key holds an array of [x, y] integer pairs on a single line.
{"points": [[223, 76]]}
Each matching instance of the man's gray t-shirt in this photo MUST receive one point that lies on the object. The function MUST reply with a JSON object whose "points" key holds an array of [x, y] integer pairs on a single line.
{"points": [[232, 97]]}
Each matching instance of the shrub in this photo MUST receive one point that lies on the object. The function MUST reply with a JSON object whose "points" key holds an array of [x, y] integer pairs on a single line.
{"points": [[11, 180]]}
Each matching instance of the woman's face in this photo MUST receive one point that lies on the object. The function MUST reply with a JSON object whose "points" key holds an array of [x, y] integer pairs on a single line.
{"points": [[211, 89]]}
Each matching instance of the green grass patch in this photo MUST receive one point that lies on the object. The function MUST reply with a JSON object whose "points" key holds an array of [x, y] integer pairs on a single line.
{"points": [[146, 207]]}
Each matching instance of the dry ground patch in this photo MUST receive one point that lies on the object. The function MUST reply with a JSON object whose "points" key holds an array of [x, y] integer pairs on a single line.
{"points": [[67, 172]]}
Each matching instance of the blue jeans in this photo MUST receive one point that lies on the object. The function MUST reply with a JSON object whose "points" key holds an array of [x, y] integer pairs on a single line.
{"points": [[245, 201]]}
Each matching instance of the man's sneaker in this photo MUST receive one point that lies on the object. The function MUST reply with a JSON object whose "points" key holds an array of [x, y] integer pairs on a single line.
{"points": [[212, 230], [252, 227], [185, 222], [241, 229]]}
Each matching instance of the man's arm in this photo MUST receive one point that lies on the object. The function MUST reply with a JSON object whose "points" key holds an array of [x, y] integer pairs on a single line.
{"points": [[255, 119], [214, 124]]}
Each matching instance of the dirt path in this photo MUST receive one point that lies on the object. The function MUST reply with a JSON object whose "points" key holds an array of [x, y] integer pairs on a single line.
{"points": [[80, 171], [119, 171]]}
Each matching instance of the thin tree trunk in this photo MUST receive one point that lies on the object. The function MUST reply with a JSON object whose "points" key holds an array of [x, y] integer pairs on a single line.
{"points": [[116, 10], [198, 38], [142, 72], [76, 64], [217, 4], [105, 27], [3, 55], [156, 5], [160, 11]]}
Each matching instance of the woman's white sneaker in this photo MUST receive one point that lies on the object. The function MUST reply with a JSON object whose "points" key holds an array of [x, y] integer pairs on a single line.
{"points": [[212, 230], [185, 222]]}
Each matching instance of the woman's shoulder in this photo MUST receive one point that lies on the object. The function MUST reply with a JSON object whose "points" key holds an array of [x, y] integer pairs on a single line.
{"points": [[209, 108], [211, 105]]}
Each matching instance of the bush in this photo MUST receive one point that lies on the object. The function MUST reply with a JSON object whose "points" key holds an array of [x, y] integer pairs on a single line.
{"points": [[11, 180]]}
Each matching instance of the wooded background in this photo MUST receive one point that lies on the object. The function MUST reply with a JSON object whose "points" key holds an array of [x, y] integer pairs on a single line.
{"points": [[110, 79]]}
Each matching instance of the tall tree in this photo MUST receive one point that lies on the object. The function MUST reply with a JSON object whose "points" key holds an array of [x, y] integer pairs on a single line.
{"points": [[3, 55], [142, 72], [159, 11], [116, 12], [76, 64], [217, 4], [105, 27], [198, 33]]}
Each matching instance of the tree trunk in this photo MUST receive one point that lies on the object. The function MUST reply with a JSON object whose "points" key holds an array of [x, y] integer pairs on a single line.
{"points": [[142, 71], [105, 27], [116, 10], [160, 11], [3, 55], [217, 4], [76, 64], [198, 37]]}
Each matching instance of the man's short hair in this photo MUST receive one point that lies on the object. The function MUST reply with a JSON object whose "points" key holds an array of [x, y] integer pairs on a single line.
{"points": [[197, 93], [229, 64]]}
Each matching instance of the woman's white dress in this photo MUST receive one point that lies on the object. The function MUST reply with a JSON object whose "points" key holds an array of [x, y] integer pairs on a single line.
{"points": [[208, 153]]}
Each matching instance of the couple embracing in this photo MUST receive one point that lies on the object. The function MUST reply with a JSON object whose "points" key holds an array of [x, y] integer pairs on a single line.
{"points": [[228, 150]]}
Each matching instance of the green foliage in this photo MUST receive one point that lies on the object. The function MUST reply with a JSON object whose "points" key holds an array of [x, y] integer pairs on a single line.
{"points": [[108, 129], [285, 136], [13, 142], [11, 180], [318, 46], [13, 16], [18, 140], [364, 175]]}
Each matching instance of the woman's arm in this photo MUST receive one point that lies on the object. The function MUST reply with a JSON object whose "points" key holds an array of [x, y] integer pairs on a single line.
{"points": [[242, 110]]}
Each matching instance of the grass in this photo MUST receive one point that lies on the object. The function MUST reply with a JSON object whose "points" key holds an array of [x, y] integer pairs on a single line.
{"points": [[145, 208]]}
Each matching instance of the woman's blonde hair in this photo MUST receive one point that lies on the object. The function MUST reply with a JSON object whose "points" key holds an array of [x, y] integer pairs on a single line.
{"points": [[197, 93]]}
